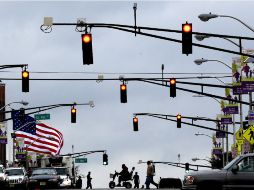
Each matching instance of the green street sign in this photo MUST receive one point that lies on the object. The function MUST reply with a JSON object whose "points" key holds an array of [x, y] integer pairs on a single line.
{"points": [[44, 116], [80, 160]]}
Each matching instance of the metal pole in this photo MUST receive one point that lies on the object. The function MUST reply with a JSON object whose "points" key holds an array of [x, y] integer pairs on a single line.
{"points": [[234, 129], [73, 167], [223, 158], [226, 144]]}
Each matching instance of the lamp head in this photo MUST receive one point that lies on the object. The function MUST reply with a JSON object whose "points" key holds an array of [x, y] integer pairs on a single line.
{"points": [[206, 17], [201, 37], [24, 103], [200, 61]]}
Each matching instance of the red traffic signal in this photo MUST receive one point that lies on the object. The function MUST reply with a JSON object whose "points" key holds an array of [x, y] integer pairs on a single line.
{"points": [[172, 82], [73, 115], [187, 38], [123, 93], [87, 49], [179, 120], [135, 124], [25, 81]]}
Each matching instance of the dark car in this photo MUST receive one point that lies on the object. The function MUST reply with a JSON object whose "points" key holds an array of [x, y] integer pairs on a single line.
{"points": [[236, 175], [43, 178], [170, 183]]}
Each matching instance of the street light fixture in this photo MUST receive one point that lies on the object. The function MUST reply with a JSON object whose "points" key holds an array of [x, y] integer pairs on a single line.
{"points": [[206, 17], [20, 102], [202, 60], [197, 134], [196, 159]]}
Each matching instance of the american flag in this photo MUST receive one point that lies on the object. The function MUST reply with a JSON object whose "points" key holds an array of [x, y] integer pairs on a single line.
{"points": [[45, 140]]}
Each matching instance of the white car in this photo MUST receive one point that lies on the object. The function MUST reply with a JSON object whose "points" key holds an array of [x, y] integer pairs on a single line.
{"points": [[2, 177], [15, 177], [66, 181]]}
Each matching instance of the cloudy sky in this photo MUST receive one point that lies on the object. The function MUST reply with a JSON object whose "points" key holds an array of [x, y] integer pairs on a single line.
{"points": [[109, 124]]}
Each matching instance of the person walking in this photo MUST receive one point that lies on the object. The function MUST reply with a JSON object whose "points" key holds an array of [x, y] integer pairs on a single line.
{"points": [[79, 183], [89, 180], [149, 175], [136, 180]]}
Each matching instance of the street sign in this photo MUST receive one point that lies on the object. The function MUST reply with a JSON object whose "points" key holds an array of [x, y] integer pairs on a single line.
{"points": [[251, 117], [80, 160], [239, 134], [249, 134], [44, 116]]}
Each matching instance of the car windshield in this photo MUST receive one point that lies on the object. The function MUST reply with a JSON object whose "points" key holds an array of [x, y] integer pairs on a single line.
{"points": [[11, 172], [44, 171], [231, 163], [61, 171]]}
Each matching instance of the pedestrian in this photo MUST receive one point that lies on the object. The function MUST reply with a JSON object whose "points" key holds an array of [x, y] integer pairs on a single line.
{"points": [[79, 183], [149, 175], [89, 180], [136, 180]]}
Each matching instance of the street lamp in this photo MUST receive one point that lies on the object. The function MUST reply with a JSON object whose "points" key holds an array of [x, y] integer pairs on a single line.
{"points": [[206, 17], [197, 134], [21, 102], [201, 37], [202, 60], [196, 159]]}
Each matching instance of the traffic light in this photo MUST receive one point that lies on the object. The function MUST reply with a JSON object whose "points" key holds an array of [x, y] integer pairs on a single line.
{"points": [[25, 81], [187, 166], [73, 114], [172, 87], [105, 159], [21, 115], [87, 49], [178, 120], [123, 93], [135, 124], [187, 38]]}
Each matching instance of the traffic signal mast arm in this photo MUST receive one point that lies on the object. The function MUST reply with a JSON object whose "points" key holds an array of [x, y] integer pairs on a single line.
{"points": [[180, 165], [78, 154], [12, 66], [137, 30], [42, 108], [165, 117], [197, 92]]}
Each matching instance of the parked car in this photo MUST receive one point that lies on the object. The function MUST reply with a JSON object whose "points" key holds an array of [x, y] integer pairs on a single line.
{"points": [[238, 174], [43, 178], [2, 177], [63, 172], [15, 177], [170, 183]]}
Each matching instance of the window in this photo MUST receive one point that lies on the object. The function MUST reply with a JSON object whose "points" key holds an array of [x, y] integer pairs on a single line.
{"points": [[246, 164]]}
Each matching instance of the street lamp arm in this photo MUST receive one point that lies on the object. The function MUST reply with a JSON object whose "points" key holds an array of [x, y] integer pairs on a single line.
{"points": [[238, 21], [221, 63]]}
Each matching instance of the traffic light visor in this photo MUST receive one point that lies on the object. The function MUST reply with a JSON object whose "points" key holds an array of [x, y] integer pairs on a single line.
{"points": [[123, 87], [187, 28], [86, 38], [25, 74]]}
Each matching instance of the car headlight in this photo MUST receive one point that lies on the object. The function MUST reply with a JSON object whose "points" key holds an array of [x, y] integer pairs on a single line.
{"points": [[189, 180]]}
